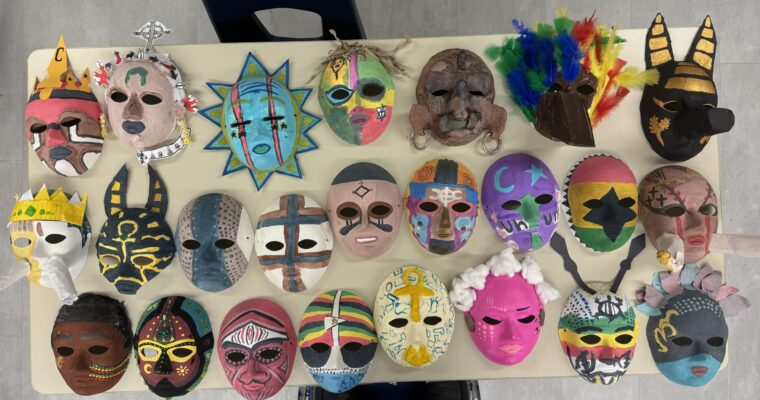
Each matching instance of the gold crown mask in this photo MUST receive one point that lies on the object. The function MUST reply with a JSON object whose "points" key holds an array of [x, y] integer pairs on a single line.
{"points": [[46, 207], [60, 75]]}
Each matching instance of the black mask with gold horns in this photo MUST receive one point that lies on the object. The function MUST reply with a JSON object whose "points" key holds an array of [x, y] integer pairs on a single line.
{"points": [[680, 113], [134, 244]]}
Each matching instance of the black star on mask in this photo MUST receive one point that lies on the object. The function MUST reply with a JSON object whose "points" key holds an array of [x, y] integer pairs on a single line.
{"points": [[610, 212]]}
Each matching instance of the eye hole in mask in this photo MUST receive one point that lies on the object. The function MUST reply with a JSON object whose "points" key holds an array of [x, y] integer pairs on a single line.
{"points": [[353, 346], [594, 203], [399, 322], [69, 122], [268, 355], [511, 205], [64, 351], [55, 238], [142, 261], [109, 260], [440, 92], [235, 357], [191, 244], [708, 106], [527, 320], [224, 243], [491, 321], [320, 347], [22, 242], [555, 88], [591, 339], [348, 211], [544, 199], [118, 96], [97, 350], [151, 99], [149, 353], [373, 90], [586, 90], [476, 93], [181, 352], [275, 245], [307, 243], [624, 339], [626, 202], [682, 341], [674, 210], [428, 206], [672, 106], [461, 207], [716, 341], [432, 320], [380, 210], [338, 95], [38, 128], [708, 209]]}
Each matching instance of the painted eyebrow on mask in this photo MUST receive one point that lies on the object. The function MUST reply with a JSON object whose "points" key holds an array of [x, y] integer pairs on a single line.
{"points": [[523, 308], [63, 337], [95, 335], [624, 328], [588, 329]]}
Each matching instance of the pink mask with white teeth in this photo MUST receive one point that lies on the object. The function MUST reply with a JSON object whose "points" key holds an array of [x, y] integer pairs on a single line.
{"points": [[503, 301]]}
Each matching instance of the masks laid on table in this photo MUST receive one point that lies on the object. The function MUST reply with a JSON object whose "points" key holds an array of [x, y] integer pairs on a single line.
{"points": [[49, 237], [64, 119], [337, 340], [263, 124], [356, 91], [521, 201], [455, 94], [566, 76], [92, 342], [441, 202], [503, 302], [364, 207], [293, 242], [413, 316], [134, 244], [146, 99], [687, 329], [215, 241], [257, 348], [680, 113], [600, 202], [598, 330], [173, 345]]}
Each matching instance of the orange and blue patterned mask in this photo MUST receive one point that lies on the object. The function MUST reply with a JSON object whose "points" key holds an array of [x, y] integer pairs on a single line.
{"points": [[134, 244], [337, 340]]}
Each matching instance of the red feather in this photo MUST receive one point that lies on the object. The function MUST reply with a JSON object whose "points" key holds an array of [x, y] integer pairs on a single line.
{"points": [[608, 103]]}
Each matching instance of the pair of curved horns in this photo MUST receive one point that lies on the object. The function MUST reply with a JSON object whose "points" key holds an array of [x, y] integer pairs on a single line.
{"points": [[115, 199], [658, 48]]}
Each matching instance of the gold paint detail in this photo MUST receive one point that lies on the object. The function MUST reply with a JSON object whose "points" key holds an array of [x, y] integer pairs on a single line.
{"points": [[657, 29], [152, 225], [660, 57], [708, 33], [658, 18], [664, 331], [658, 43], [691, 85], [686, 70], [706, 46], [703, 59], [704, 140], [657, 126], [708, 22]]}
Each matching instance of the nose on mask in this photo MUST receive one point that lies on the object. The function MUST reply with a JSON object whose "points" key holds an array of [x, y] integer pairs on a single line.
{"points": [[697, 122], [564, 117]]}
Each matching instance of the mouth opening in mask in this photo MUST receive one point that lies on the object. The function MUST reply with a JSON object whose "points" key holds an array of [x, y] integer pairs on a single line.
{"points": [[133, 127]]}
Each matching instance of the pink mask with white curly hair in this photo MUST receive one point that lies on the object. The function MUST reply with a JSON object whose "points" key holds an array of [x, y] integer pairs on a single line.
{"points": [[503, 302]]}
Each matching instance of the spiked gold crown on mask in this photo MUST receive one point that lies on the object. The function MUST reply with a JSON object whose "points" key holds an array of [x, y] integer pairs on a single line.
{"points": [[44, 207], [60, 75]]}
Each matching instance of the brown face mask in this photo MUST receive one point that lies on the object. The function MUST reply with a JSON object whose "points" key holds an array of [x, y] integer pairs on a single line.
{"points": [[91, 341], [455, 95], [562, 112]]}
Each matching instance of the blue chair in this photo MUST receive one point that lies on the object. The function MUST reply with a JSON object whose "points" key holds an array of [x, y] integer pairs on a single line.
{"points": [[236, 21]]}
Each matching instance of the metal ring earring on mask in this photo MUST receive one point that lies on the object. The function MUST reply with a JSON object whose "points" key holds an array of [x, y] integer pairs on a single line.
{"points": [[425, 134], [485, 148]]}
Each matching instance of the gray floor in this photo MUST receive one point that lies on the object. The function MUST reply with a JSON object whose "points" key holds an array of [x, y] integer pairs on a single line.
{"points": [[31, 24]]}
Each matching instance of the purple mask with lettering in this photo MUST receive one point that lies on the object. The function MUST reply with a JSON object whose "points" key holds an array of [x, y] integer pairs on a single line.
{"points": [[521, 201]]}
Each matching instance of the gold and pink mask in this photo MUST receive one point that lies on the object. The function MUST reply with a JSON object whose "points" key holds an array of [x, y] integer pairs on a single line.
{"points": [[503, 303], [146, 99], [63, 118], [364, 208], [257, 348], [441, 202], [677, 200]]}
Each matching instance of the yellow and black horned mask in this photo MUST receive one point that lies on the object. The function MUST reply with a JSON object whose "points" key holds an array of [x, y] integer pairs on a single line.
{"points": [[680, 113], [135, 244]]}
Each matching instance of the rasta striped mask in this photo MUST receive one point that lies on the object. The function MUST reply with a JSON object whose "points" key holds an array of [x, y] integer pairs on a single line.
{"points": [[293, 242], [337, 340], [134, 244]]}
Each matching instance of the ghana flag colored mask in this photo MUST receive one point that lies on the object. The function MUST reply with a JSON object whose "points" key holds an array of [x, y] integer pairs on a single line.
{"points": [[64, 121], [356, 91], [413, 316], [597, 326], [521, 201], [92, 342], [173, 345], [679, 114], [337, 340], [687, 330], [600, 202], [441, 203], [257, 348]]}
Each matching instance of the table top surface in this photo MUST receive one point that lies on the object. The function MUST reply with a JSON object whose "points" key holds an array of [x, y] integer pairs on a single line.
{"points": [[198, 171]]}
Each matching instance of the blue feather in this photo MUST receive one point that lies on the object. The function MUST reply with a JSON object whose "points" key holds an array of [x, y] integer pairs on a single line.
{"points": [[571, 56]]}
